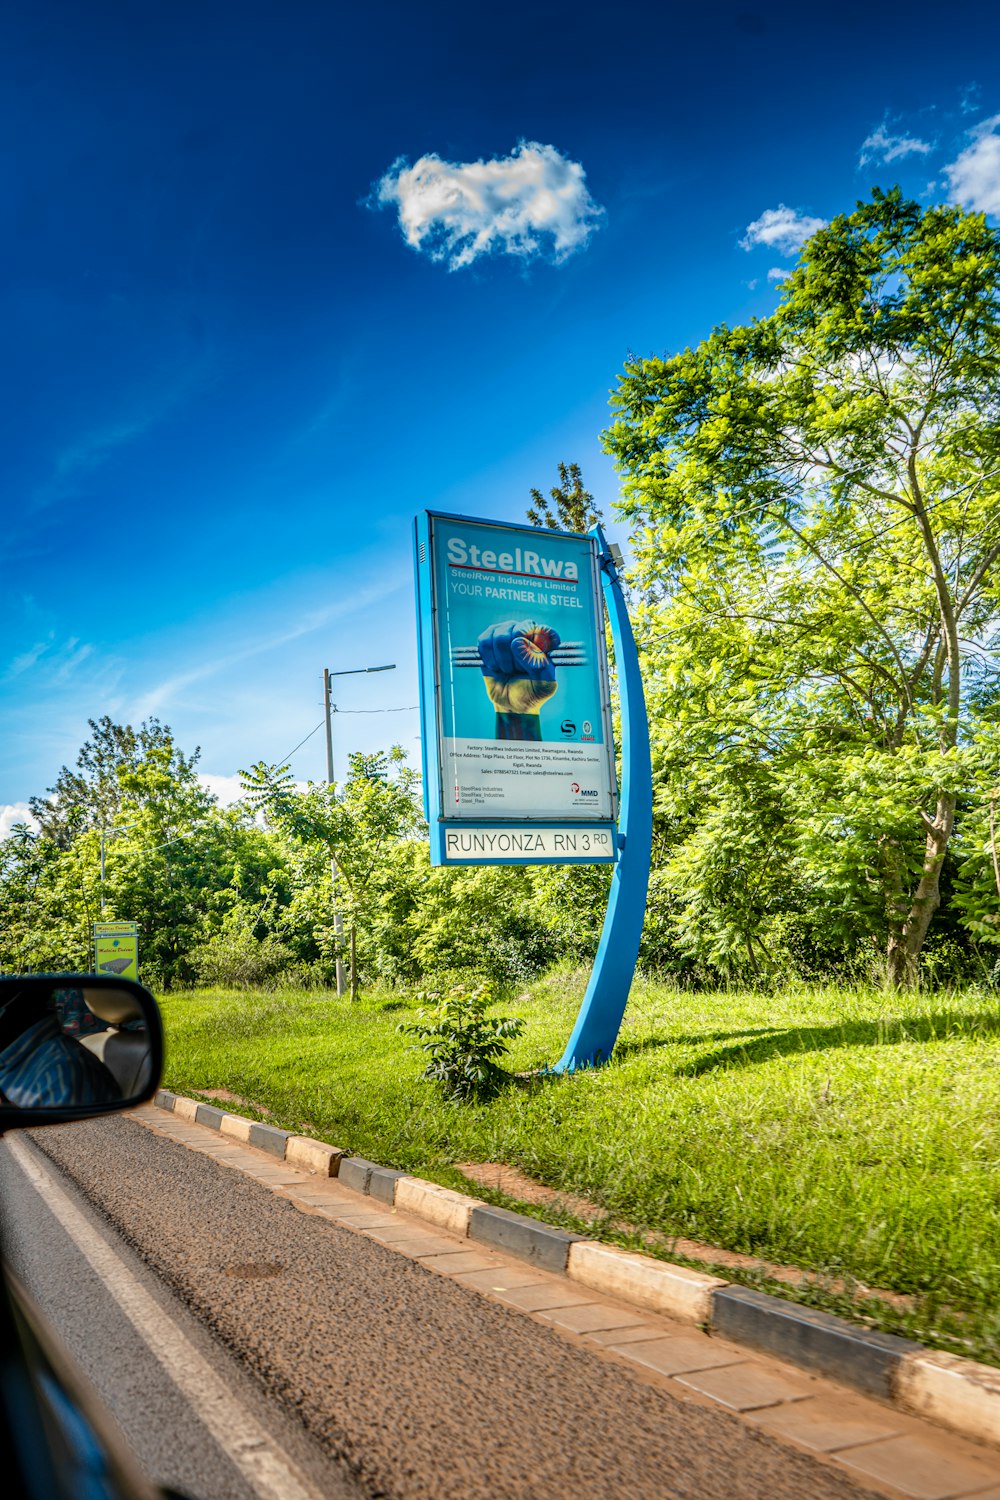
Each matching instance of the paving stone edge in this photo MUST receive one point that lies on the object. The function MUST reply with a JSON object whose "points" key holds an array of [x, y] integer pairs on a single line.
{"points": [[961, 1394]]}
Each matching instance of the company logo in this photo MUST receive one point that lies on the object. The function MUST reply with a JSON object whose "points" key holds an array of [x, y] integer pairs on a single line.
{"points": [[583, 791], [463, 554], [567, 727], [588, 728]]}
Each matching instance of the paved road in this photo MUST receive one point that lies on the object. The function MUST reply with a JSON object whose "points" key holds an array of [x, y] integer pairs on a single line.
{"points": [[414, 1384], [47, 1237]]}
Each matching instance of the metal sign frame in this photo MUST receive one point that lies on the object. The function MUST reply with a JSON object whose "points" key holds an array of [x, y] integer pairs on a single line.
{"points": [[524, 565], [599, 1019]]}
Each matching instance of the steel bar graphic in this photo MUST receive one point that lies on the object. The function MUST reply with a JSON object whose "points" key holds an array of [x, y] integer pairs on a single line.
{"points": [[569, 654]]}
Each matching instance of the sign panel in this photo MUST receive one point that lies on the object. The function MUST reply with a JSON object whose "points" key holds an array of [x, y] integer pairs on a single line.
{"points": [[522, 844], [515, 702], [116, 949]]}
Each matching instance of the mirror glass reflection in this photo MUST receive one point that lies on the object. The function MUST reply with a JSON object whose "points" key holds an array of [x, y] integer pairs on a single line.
{"points": [[76, 1044]]}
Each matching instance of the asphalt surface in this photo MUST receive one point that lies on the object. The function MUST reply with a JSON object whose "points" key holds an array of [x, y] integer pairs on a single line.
{"points": [[413, 1384], [172, 1445]]}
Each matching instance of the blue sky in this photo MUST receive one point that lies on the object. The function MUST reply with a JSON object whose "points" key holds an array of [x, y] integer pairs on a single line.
{"points": [[277, 277]]}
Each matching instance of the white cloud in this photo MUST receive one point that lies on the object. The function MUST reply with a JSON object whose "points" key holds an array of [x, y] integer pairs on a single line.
{"points": [[228, 790], [883, 147], [968, 101], [529, 204], [778, 273], [15, 812], [28, 659], [974, 175], [781, 229], [225, 789], [75, 654]]}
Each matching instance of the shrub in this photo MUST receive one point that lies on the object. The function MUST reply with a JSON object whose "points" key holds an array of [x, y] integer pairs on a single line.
{"points": [[463, 1043], [236, 960]]}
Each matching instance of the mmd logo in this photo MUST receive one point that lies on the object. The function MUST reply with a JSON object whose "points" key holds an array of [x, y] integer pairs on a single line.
{"points": [[576, 788]]}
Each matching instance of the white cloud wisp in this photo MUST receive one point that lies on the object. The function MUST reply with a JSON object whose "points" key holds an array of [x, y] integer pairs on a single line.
{"points": [[883, 147], [974, 175], [531, 204], [781, 229]]}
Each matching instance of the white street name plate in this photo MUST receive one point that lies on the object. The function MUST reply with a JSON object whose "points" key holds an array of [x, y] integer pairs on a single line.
{"points": [[492, 844]]}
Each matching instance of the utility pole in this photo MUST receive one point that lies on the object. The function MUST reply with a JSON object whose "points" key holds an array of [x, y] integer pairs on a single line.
{"points": [[338, 923]]}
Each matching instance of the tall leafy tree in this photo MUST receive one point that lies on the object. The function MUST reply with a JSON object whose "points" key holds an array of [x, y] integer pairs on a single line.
{"points": [[166, 849], [816, 499], [570, 506], [90, 794]]}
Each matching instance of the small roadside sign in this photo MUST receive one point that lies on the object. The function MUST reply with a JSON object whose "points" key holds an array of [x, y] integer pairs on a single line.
{"points": [[116, 949]]}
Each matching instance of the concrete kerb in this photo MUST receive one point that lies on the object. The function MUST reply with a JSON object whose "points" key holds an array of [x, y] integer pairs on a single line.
{"points": [[675, 1291], [957, 1393], [438, 1205], [519, 1234], [312, 1156]]}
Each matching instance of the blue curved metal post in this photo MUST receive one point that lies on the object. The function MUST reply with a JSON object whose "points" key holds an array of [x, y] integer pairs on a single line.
{"points": [[600, 1017]]}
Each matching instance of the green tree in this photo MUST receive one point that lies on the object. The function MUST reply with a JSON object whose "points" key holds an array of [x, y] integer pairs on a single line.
{"points": [[817, 506], [26, 861], [357, 826], [175, 863], [90, 795], [570, 507]]}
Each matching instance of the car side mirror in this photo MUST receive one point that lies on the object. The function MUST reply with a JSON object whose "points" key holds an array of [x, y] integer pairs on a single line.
{"points": [[75, 1045]]}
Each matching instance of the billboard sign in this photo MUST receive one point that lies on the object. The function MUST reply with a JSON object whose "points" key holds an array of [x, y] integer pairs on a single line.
{"points": [[515, 703], [116, 949]]}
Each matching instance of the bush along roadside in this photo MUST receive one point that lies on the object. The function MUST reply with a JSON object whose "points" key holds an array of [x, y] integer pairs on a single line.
{"points": [[464, 1042]]}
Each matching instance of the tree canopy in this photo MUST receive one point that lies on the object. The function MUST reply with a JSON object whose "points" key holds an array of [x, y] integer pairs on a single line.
{"points": [[109, 770], [816, 504]]}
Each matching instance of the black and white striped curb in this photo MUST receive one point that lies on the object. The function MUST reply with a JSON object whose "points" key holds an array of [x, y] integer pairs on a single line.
{"points": [[958, 1393]]}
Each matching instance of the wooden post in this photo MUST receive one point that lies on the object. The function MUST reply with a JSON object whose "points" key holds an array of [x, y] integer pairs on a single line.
{"points": [[354, 962]]}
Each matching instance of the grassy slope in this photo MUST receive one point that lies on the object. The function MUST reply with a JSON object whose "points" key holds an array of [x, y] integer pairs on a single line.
{"points": [[845, 1132]]}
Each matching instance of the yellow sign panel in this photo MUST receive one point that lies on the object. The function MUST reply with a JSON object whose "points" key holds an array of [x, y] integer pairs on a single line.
{"points": [[116, 949]]}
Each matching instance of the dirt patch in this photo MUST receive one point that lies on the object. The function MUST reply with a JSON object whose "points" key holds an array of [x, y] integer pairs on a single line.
{"points": [[514, 1184]]}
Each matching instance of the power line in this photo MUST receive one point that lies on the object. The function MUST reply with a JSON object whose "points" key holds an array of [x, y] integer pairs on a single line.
{"points": [[406, 709], [298, 747]]}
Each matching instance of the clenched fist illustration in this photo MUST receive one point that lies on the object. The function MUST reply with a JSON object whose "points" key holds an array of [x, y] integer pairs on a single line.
{"points": [[517, 667]]}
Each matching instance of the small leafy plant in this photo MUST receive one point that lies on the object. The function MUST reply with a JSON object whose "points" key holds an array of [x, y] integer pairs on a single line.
{"points": [[463, 1042]]}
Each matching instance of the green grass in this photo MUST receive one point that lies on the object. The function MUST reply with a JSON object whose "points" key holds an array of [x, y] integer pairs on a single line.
{"points": [[853, 1134]]}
